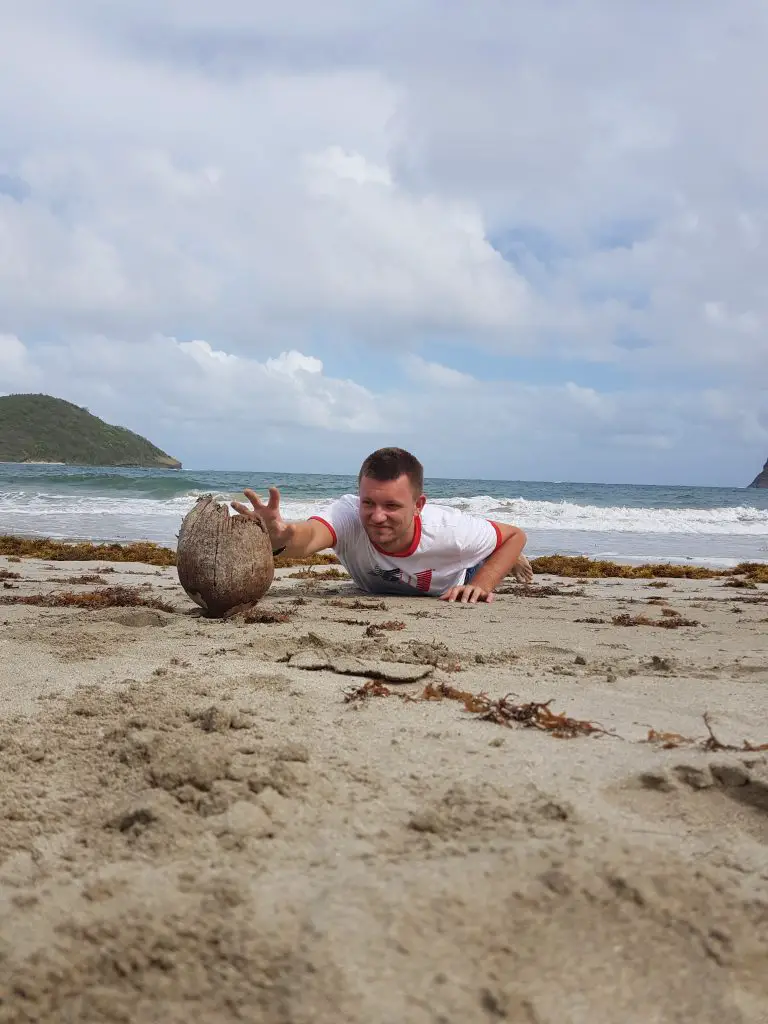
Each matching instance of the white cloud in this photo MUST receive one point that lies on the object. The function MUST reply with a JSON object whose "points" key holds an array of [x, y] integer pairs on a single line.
{"points": [[16, 370], [435, 374]]}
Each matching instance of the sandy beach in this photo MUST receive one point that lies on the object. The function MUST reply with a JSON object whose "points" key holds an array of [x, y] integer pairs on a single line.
{"points": [[267, 820]]}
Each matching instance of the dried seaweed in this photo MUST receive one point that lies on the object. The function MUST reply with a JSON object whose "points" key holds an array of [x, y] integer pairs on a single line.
{"points": [[143, 551], [371, 688], [556, 565], [375, 628], [593, 620], [581, 566], [713, 743], [669, 740], [6, 574], [538, 715], [284, 562], [324, 574], [374, 688], [85, 579], [658, 584], [533, 715], [675, 621], [474, 702], [756, 571], [358, 605], [539, 590], [264, 616], [106, 597], [61, 551]]}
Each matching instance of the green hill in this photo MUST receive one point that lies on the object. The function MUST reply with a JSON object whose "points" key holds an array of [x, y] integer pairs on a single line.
{"points": [[39, 428]]}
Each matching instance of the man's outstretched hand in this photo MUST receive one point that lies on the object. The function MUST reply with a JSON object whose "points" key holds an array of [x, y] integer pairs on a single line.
{"points": [[277, 528], [468, 594]]}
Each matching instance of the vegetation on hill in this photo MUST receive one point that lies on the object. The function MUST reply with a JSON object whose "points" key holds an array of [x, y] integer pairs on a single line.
{"points": [[39, 428]]}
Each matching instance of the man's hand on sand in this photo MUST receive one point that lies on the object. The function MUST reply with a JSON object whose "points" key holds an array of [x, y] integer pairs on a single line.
{"points": [[276, 526], [468, 594]]}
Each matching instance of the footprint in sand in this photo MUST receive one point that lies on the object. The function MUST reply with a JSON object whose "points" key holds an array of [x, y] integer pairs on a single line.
{"points": [[704, 795]]}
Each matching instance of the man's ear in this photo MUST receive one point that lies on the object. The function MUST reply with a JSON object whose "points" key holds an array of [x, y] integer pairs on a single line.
{"points": [[421, 502]]}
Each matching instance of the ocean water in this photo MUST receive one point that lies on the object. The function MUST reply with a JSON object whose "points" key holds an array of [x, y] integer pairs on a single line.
{"points": [[631, 523]]}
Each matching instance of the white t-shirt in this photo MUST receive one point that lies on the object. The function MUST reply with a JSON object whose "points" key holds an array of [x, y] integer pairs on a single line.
{"points": [[446, 543]]}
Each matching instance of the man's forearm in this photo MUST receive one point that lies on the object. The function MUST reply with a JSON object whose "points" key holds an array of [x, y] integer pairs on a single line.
{"points": [[299, 540], [500, 562]]}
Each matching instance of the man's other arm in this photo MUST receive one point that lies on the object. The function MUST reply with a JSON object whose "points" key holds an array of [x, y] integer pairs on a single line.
{"points": [[493, 570]]}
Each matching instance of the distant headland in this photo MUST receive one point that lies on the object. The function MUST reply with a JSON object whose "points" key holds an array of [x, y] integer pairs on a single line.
{"points": [[42, 430], [761, 480]]}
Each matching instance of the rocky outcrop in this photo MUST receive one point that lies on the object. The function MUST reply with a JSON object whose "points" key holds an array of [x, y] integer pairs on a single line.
{"points": [[761, 480]]}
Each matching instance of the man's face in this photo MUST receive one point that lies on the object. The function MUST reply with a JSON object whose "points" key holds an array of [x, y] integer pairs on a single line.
{"points": [[387, 510]]}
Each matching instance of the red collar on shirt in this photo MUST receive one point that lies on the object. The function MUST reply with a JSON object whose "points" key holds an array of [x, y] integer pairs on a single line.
{"points": [[411, 547]]}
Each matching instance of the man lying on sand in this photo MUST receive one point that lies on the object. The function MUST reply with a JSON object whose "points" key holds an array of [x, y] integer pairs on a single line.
{"points": [[391, 541]]}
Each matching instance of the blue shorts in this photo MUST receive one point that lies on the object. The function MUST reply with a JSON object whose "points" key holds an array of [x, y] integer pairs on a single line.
{"points": [[471, 572]]}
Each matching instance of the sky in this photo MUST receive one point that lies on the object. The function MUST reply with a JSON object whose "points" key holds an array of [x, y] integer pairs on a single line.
{"points": [[526, 240]]}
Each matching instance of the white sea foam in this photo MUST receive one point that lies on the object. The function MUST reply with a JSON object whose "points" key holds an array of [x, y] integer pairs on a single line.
{"points": [[549, 515], [566, 515], [742, 520]]}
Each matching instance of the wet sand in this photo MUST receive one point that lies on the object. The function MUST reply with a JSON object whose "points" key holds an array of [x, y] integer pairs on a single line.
{"points": [[196, 821]]}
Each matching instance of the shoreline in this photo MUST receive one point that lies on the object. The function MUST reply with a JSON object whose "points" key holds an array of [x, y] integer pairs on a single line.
{"points": [[31, 543]]}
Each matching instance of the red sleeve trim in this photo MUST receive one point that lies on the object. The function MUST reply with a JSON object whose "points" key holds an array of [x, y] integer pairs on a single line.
{"points": [[325, 522], [499, 538]]}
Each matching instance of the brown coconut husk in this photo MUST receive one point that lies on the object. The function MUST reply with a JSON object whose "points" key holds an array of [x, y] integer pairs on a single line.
{"points": [[224, 562]]}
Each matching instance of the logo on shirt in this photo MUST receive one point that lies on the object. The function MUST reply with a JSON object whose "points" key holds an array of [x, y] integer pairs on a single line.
{"points": [[421, 581]]}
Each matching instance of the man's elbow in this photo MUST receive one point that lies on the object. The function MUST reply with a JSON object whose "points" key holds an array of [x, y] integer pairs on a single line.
{"points": [[515, 536]]}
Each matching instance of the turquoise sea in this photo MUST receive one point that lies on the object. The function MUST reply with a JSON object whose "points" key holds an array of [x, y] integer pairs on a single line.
{"points": [[707, 525]]}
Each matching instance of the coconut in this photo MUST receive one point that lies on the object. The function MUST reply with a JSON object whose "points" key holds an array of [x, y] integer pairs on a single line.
{"points": [[224, 562]]}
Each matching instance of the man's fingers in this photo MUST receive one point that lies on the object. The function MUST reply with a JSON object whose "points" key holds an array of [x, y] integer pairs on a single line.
{"points": [[467, 595], [274, 499], [254, 499]]}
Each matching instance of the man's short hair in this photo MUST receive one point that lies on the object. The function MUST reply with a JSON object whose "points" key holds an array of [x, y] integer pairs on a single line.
{"points": [[392, 463]]}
